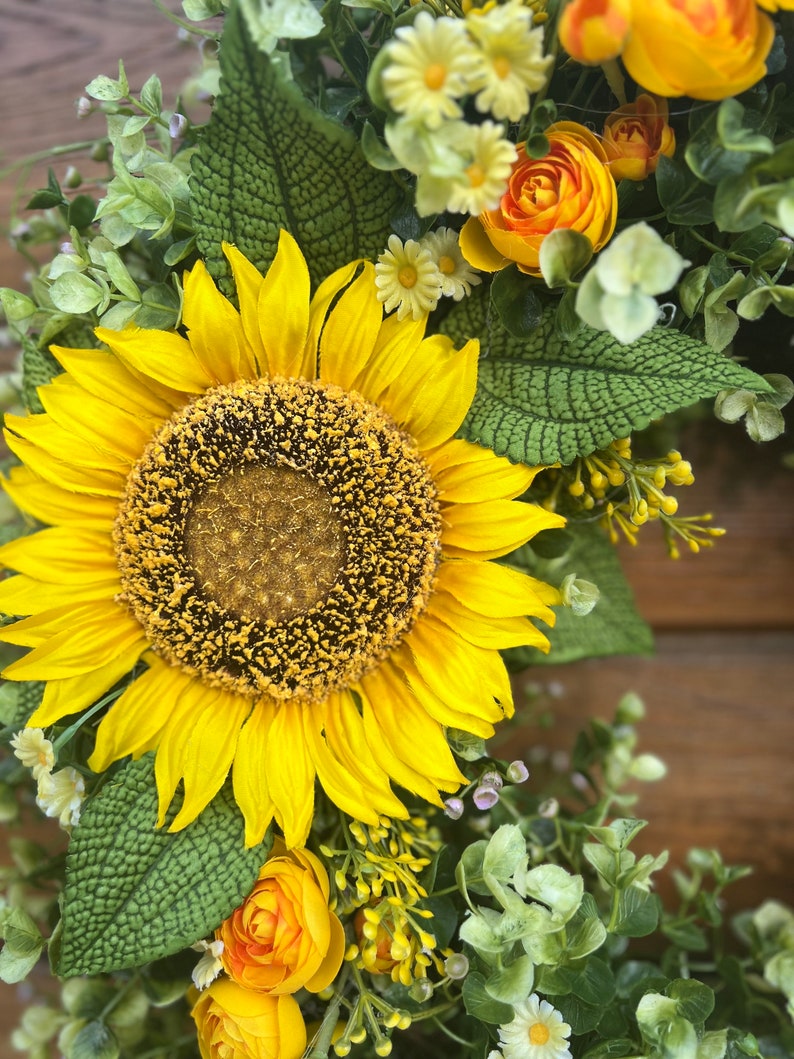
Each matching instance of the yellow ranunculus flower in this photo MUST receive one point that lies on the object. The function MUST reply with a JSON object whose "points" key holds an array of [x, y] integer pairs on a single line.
{"points": [[237, 1023], [284, 937], [635, 135], [594, 31], [570, 188], [707, 49]]}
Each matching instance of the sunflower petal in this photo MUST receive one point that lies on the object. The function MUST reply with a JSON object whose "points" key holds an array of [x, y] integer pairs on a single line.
{"points": [[215, 331], [433, 393], [107, 428], [496, 633], [290, 772], [344, 733], [160, 355], [53, 505], [325, 294], [249, 778], [465, 473], [62, 556], [496, 591], [71, 640], [397, 344], [92, 480], [337, 783], [73, 694], [283, 312], [351, 331], [106, 377], [134, 722], [26, 595], [441, 709], [409, 732], [492, 528]]}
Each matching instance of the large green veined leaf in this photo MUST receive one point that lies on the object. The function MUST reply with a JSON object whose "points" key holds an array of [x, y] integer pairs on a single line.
{"points": [[134, 892], [541, 399], [613, 627], [269, 160]]}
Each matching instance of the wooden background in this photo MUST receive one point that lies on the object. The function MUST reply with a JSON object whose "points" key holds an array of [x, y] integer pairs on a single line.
{"points": [[719, 688]]}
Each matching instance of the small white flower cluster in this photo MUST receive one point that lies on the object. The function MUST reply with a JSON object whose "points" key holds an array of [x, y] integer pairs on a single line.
{"points": [[411, 276], [60, 794], [494, 55]]}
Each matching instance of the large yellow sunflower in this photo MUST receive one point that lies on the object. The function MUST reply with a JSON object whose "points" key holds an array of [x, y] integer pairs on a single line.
{"points": [[271, 513]]}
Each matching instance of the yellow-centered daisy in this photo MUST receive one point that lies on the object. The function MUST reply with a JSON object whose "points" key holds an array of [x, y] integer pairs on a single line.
{"points": [[272, 513]]}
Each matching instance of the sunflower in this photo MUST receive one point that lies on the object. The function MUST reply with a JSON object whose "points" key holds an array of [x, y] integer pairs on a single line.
{"points": [[273, 517]]}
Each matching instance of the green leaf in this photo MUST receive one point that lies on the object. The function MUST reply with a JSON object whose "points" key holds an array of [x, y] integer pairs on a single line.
{"points": [[638, 913], [94, 1041], [514, 983], [269, 160], [506, 851], [695, 1000], [134, 892], [23, 945], [581, 1017], [480, 1005], [613, 627], [515, 302], [75, 293], [541, 399]]}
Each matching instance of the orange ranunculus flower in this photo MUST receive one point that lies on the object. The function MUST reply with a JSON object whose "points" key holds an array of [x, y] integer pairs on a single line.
{"points": [[570, 188], [594, 31], [237, 1023], [635, 135], [707, 49], [284, 937]]}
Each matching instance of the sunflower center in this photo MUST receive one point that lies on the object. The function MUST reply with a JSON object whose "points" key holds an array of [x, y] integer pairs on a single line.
{"points": [[278, 537], [264, 542]]}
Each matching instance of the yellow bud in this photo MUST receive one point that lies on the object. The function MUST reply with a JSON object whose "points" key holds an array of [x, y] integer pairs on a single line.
{"points": [[383, 1047], [342, 1048], [693, 546], [405, 1021], [597, 480], [669, 505], [359, 1035], [340, 879], [576, 488]]}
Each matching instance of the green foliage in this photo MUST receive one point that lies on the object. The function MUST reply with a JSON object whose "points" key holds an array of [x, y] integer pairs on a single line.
{"points": [[23, 945], [540, 399], [135, 893], [613, 626], [269, 160]]}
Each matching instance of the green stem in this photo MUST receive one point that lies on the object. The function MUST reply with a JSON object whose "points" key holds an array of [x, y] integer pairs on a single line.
{"points": [[718, 249], [52, 152], [322, 1041], [190, 26], [66, 735]]}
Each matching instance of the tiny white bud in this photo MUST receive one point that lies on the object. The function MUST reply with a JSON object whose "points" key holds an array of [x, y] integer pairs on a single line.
{"points": [[456, 966], [84, 107], [177, 126], [549, 808], [453, 807], [485, 798]]}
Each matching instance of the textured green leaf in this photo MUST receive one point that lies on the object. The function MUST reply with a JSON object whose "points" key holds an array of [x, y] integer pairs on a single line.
{"points": [[540, 400], [613, 627], [270, 160], [135, 893]]}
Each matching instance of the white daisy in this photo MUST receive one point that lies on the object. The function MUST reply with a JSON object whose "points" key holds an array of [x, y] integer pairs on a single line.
{"points": [[488, 163], [407, 278], [536, 1032], [511, 63], [429, 69], [457, 275], [61, 794], [34, 751]]}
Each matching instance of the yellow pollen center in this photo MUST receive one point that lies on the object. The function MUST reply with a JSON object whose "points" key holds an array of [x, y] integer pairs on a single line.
{"points": [[435, 76], [502, 66], [264, 542], [476, 175], [407, 276], [538, 1033], [446, 265]]}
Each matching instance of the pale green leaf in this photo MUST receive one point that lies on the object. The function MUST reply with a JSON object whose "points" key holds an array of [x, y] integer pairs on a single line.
{"points": [[514, 983]]}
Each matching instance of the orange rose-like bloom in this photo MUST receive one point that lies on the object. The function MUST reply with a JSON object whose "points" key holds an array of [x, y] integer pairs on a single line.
{"points": [[594, 31], [634, 137], [284, 937], [708, 49], [237, 1023], [570, 188]]}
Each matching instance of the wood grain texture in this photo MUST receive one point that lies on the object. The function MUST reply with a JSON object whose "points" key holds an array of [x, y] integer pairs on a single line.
{"points": [[718, 691]]}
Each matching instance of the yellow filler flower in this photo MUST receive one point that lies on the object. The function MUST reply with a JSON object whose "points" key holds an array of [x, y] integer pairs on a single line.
{"points": [[272, 514]]}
